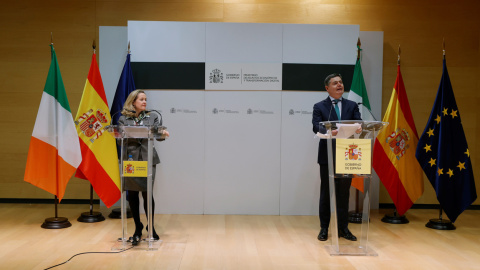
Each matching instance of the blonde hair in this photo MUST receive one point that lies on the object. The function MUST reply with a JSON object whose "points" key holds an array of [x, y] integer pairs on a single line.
{"points": [[128, 109]]}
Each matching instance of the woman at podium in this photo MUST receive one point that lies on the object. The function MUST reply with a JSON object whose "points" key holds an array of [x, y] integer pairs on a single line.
{"points": [[134, 114]]}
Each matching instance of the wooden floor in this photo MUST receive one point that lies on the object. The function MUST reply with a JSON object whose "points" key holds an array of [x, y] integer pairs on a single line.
{"points": [[231, 242]]}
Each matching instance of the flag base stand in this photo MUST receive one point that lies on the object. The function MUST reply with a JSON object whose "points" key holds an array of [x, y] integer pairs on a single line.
{"points": [[91, 217], [440, 224], [56, 223], [354, 217], [117, 213], [395, 218]]}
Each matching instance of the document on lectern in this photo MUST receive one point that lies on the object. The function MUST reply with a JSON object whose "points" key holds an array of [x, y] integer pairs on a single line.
{"points": [[136, 131], [346, 130]]}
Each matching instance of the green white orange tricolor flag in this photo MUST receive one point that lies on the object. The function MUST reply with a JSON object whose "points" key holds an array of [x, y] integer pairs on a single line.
{"points": [[358, 93], [394, 151], [54, 152], [100, 162]]}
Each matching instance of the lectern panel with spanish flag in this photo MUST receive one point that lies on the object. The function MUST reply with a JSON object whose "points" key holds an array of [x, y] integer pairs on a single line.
{"points": [[136, 169], [350, 155]]}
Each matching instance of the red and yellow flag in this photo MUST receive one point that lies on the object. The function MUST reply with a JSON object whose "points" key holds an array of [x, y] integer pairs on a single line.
{"points": [[99, 152], [394, 151]]}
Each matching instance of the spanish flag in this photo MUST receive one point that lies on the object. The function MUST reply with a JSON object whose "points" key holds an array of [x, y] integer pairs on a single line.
{"points": [[99, 152], [394, 151], [54, 152]]}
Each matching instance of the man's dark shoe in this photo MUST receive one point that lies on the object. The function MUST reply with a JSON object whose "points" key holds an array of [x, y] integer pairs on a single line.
{"points": [[323, 235], [345, 233]]}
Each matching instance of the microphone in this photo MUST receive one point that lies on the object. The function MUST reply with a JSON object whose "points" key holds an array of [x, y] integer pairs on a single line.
{"points": [[149, 111], [334, 102]]}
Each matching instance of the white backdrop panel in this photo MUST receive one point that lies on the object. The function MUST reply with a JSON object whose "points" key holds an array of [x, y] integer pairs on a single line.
{"points": [[244, 43], [179, 181], [112, 47], [167, 41], [242, 152], [246, 56], [189, 156], [320, 44], [372, 67], [300, 182]]}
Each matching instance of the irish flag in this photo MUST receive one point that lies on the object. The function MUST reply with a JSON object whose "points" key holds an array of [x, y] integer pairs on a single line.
{"points": [[358, 93], [394, 151], [99, 150], [54, 152]]}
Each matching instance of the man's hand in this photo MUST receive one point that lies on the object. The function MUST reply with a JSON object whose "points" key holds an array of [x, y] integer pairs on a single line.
{"points": [[359, 130]]}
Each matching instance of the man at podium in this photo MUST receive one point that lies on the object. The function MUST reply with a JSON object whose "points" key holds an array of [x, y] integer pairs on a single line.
{"points": [[333, 108]]}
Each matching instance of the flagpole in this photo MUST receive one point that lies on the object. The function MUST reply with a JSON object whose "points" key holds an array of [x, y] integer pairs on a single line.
{"points": [[55, 222], [395, 218], [356, 216], [91, 217], [440, 223], [117, 212]]}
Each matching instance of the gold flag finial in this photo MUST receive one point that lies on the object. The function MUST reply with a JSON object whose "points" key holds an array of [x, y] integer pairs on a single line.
{"points": [[359, 44], [51, 38], [94, 46], [444, 48], [399, 51], [128, 50]]}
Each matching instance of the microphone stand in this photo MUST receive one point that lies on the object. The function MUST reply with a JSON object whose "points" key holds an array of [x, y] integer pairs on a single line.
{"points": [[116, 213]]}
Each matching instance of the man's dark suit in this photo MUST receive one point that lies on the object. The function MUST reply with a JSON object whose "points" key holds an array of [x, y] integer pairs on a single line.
{"points": [[324, 111]]}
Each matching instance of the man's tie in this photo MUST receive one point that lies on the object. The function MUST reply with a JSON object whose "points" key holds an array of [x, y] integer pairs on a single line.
{"points": [[337, 110]]}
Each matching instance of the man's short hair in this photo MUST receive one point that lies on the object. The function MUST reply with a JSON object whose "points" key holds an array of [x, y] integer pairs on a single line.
{"points": [[329, 77]]}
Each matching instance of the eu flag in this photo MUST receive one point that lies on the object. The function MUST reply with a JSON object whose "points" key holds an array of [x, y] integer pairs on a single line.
{"points": [[125, 86], [443, 153]]}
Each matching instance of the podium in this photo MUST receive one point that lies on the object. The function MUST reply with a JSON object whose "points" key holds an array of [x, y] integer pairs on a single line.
{"points": [[350, 156], [123, 133]]}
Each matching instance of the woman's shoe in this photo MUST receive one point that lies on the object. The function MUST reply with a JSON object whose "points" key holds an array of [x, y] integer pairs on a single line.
{"points": [[154, 234], [136, 239], [137, 236]]}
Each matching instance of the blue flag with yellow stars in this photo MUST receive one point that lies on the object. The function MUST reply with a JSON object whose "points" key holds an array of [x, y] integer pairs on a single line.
{"points": [[443, 153]]}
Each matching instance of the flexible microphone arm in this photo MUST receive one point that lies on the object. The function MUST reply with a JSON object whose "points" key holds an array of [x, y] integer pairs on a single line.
{"points": [[113, 117], [329, 125], [374, 118], [159, 114]]}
